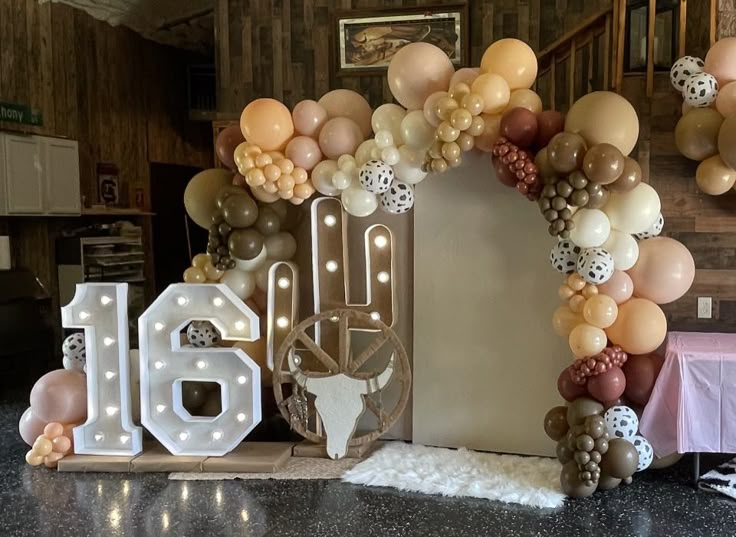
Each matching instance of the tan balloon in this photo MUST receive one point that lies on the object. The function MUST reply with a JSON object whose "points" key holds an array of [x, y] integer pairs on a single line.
{"points": [[200, 195], [512, 59], [714, 177], [525, 98], [604, 117], [600, 310], [490, 134], [201, 261], [726, 99], [640, 327], [416, 71], [564, 320], [696, 134], [340, 136], [349, 104], [267, 123], [430, 107], [587, 340], [466, 75], [727, 140], [494, 90]]}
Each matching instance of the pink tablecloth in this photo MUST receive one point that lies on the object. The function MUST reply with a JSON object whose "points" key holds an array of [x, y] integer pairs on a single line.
{"points": [[693, 404]]}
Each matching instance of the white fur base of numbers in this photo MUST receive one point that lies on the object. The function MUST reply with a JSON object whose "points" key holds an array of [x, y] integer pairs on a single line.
{"points": [[533, 481]]}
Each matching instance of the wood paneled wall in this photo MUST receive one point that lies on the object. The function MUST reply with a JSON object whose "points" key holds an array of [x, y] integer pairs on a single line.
{"points": [[286, 49]]}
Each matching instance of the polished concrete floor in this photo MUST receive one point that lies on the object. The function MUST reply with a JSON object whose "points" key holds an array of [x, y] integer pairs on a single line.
{"points": [[41, 502]]}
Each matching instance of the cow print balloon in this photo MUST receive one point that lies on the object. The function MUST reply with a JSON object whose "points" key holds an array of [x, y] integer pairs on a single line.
{"points": [[595, 265], [654, 230], [564, 256], [75, 354], [645, 451], [683, 69], [700, 90], [376, 176], [202, 334], [399, 198], [621, 422]]}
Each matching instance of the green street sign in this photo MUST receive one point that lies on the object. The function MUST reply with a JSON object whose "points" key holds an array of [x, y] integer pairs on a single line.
{"points": [[18, 113]]}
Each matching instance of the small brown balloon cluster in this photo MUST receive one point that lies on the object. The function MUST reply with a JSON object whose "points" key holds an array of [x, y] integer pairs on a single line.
{"points": [[576, 291], [217, 247], [588, 443], [461, 121], [592, 366], [273, 172], [516, 167]]}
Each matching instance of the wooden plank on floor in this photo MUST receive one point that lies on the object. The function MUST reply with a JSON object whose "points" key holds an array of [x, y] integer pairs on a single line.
{"points": [[95, 463], [158, 459], [249, 457], [310, 449]]}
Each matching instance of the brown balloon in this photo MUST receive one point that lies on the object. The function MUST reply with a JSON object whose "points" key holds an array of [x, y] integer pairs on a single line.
{"points": [[546, 171], [607, 386], [227, 191], [597, 196], [630, 177], [726, 138], [503, 173], [621, 459], [606, 482], [564, 453], [555, 423], [572, 484], [225, 144], [520, 126], [245, 243], [551, 122], [697, 134], [567, 388], [268, 222], [603, 163], [240, 210], [581, 408], [566, 152], [193, 396], [641, 373]]}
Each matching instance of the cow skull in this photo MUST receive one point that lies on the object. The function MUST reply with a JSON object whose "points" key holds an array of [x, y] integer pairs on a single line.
{"points": [[339, 401]]}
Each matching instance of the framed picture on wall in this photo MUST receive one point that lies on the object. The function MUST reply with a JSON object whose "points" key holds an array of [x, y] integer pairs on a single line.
{"points": [[368, 39]]}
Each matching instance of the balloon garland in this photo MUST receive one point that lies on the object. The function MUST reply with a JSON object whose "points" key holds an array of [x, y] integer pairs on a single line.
{"points": [[577, 168], [706, 132]]}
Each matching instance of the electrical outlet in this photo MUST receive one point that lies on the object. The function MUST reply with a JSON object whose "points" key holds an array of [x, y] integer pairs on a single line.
{"points": [[705, 307]]}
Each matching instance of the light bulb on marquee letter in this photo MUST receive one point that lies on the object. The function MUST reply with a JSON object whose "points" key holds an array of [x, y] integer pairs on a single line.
{"points": [[165, 365], [102, 310]]}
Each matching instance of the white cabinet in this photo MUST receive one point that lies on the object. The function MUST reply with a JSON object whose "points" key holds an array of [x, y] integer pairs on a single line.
{"points": [[39, 175]]}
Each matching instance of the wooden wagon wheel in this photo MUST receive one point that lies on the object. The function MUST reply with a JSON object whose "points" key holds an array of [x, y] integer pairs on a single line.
{"points": [[299, 340]]}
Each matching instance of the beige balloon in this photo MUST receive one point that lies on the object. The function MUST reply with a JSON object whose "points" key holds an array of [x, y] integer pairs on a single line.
{"points": [[490, 134], [727, 140], [494, 90], [416, 71], [349, 104], [696, 134], [512, 59], [714, 176], [525, 98], [200, 196], [604, 117]]}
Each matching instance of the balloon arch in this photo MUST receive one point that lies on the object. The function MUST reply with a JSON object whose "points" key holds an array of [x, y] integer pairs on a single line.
{"points": [[617, 270]]}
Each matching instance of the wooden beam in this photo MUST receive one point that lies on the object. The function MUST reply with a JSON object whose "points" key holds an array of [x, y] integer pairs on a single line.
{"points": [[553, 84], [607, 52], [651, 16], [620, 38], [713, 21], [589, 83], [571, 75], [567, 36], [682, 27]]}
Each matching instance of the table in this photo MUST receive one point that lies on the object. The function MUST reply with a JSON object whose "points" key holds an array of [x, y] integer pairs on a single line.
{"points": [[693, 405]]}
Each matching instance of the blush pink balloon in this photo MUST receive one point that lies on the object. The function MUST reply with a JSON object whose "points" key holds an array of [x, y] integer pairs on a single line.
{"points": [[619, 287], [466, 75], [721, 60], [664, 271], [309, 117], [304, 151], [340, 136], [61, 396], [416, 71], [30, 427], [349, 104]]}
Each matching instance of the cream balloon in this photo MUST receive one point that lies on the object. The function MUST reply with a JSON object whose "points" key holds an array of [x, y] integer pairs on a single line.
{"points": [[604, 117], [364, 153], [430, 107], [592, 228], [359, 202], [466, 75], [249, 265], [525, 98], [241, 283], [634, 211], [409, 167], [494, 90], [387, 117], [322, 178], [416, 131], [623, 248]]}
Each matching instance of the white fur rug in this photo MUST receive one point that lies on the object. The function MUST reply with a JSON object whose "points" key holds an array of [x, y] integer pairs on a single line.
{"points": [[532, 481]]}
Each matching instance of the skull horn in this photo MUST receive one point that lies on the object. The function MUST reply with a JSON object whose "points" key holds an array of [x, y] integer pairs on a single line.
{"points": [[299, 377], [382, 379]]}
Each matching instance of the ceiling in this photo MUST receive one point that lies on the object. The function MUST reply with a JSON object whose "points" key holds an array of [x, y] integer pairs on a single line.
{"points": [[179, 23]]}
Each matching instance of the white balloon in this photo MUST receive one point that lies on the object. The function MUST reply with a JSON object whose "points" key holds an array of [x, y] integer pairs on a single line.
{"points": [[261, 275], [346, 163], [388, 117], [390, 155], [384, 139], [341, 180], [645, 451], [416, 131], [241, 283], [359, 202], [409, 167], [653, 231], [622, 422], [634, 211], [592, 228], [623, 248], [322, 177], [364, 152], [249, 265]]}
